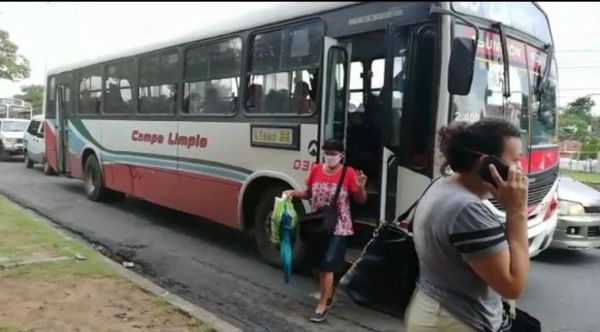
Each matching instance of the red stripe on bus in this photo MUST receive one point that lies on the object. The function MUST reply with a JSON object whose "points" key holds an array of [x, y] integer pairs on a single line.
{"points": [[204, 196]]}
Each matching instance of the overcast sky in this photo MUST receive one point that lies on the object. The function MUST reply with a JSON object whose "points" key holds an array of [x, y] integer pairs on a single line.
{"points": [[52, 34]]}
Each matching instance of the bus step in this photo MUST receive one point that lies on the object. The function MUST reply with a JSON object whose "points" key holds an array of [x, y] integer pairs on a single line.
{"points": [[366, 222]]}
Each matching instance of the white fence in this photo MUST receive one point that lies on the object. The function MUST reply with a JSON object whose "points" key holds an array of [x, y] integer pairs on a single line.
{"points": [[581, 161]]}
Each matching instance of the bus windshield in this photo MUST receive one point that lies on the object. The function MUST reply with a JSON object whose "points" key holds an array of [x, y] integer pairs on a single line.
{"points": [[523, 16], [13, 126], [544, 106], [487, 99]]}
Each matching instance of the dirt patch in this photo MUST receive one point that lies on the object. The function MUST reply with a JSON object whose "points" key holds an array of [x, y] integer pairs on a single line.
{"points": [[85, 304]]}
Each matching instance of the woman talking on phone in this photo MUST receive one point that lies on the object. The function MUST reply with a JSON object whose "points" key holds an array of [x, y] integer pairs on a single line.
{"points": [[468, 260], [328, 257]]}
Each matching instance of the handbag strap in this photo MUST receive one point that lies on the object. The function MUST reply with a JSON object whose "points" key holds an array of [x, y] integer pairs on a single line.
{"points": [[339, 187], [411, 209]]}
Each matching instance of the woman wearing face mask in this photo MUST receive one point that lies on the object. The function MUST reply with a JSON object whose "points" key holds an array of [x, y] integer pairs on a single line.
{"points": [[321, 184]]}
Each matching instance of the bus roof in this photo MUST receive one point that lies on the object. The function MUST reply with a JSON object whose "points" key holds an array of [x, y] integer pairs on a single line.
{"points": [[275, 13]]}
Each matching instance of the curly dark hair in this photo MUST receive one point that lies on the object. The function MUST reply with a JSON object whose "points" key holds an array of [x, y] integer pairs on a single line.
{"points": [[460, 142]]}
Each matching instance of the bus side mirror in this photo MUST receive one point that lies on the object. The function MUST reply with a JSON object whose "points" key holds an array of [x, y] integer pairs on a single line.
{"points": [[461, 66]]}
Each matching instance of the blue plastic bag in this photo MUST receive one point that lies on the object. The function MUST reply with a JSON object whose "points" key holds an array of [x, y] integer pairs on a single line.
{"points": [[285, 244], [283, 228]]}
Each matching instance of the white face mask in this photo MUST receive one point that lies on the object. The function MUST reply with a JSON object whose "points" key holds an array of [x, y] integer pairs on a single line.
{"points": [[333, 161]]}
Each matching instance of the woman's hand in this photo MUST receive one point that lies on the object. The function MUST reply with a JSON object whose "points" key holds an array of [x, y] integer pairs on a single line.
{"points": [[361, 179], [512, 193], [288, 193]]}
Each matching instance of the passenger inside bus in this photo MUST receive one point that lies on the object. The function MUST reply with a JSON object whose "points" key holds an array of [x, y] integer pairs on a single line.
{"points": [[254, 97], [211, 103], [275, 101], [114, 100], [301, 99]]}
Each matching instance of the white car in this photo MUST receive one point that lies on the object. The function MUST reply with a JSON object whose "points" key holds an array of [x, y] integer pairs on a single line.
{"points": [[579, 216], [11, 137], [34, 147]]}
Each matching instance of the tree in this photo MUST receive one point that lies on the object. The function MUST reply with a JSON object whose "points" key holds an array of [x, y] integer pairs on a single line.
{"points": [[33, 94], [581, 107], [574, 121], [13, 66]]}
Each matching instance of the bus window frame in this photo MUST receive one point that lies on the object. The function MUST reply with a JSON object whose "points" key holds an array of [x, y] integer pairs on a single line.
{"points": [[132, 85], [211, 42], [246, 64], [77, 87], [176, 109]]}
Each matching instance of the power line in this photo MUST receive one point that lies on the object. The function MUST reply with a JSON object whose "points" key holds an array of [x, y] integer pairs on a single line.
{"points": [[579, 89], [577, 51]]}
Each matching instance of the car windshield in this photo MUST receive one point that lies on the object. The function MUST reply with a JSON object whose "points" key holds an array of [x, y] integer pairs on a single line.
{"points": [[13, 126]]}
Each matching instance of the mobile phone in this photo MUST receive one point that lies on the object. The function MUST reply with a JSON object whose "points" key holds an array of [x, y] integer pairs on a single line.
{"points": [[485, 172]]}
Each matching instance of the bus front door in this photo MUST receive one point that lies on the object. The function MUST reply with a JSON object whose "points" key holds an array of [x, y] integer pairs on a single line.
{"points": [[63, 103], [335, 91]]}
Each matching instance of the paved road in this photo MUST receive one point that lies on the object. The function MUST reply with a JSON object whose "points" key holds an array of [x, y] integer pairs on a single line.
{"points": [[219, 269]]}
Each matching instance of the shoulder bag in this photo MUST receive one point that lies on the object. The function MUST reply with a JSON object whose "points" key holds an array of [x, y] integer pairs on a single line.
{"points": [[321, 223]]}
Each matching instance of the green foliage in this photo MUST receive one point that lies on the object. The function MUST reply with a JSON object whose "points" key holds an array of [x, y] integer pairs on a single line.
{"points": [[33, 94], [13, 66], [575, 120]]}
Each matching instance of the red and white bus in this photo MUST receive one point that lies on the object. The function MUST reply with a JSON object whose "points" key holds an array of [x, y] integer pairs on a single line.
{"points": [[219, 122]]}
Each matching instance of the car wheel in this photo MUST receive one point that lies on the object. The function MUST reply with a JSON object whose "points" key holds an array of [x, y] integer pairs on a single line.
{"points": [[28, 162], [4, 156], [262, 230]]}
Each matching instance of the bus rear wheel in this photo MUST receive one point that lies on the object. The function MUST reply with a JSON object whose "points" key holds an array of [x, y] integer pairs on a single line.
{"points": [[262, 230], [93, 181]]}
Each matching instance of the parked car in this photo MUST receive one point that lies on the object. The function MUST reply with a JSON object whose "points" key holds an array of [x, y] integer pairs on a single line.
{"points": [[34, 148], [11, 137], [578, 225]]}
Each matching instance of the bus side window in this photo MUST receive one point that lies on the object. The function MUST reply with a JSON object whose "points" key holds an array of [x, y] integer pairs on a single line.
{"points": [[118, 87], [159, 75], [284, 70], [212, 78], [90, 90]]}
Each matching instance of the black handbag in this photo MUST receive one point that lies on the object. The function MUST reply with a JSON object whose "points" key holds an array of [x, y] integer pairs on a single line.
{"points": [[384, 277], [321, 224], [518, 321]]}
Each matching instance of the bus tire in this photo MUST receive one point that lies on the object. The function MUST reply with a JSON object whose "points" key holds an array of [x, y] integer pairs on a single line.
{"points": [[28, 162], [93, 182], [262, 230]]}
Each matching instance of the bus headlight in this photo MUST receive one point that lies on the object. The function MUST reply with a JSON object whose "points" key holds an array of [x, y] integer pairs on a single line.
{"points": [[567, 208], [11, 140]]}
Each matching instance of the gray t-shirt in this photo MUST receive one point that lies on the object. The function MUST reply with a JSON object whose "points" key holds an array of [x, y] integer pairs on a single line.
{"points": [[451, 225]]}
